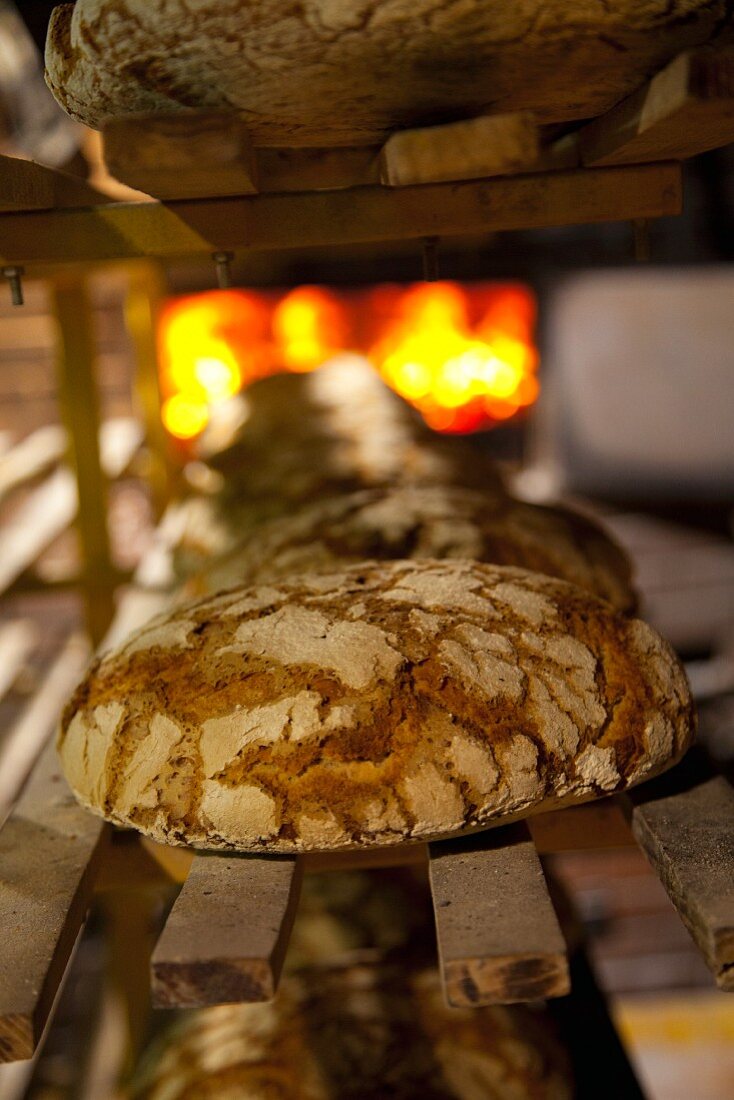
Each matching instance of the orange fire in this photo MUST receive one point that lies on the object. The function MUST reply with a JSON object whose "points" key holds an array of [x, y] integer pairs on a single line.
{"points": [[461, 376], [464, 357]]}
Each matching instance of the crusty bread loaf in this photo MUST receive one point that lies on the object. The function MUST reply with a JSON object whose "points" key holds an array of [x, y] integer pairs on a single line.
{"points": [[364, 1032], [426, 522], [379, 915], [340, 427], [393, 702], [309, 436], [343, 73]]}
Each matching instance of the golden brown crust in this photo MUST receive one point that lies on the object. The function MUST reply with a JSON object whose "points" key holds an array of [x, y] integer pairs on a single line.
{"points": [[365, 1032], [426, 522], [393, 702], [324, 73]]}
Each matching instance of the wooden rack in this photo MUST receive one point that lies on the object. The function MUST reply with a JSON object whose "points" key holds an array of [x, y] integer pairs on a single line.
{"points": [[218, 193], [498, 935], [225, 939]]}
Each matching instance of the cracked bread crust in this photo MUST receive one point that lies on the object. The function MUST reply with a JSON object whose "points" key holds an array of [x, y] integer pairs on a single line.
{"points": [[362, 1031], [427, 522], [321, 72], [393, 702], [339, 428], [334, 431]]}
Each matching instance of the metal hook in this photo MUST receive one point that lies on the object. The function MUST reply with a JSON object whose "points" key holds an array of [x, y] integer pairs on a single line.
{"points": [[13, 275], [223, 261]]}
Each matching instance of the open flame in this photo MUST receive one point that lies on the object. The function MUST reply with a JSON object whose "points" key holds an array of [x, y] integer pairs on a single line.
{"points": [[464, 356], [460, 375]]}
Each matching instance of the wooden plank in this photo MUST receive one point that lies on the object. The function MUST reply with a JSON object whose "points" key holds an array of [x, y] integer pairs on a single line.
{"points": [[39, 520], [49, 851], [593, 825], [685, 826], [499, 940], [17, 639], [30, 458], [120, 437], [194, 155], [25, 185], [686, 109], [24, 743], [332, 169], [51, 507], [128, 230], [492, 145], [227, 934]]}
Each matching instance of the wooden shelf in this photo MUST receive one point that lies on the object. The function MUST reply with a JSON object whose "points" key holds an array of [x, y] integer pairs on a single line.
{"points": [[226, 936], [218, 192], [320, 218]]}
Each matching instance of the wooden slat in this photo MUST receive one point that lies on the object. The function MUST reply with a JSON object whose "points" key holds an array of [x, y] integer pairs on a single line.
{"points": [[602, 824], [131, 230], [685, 826], [685, 109], [49, 849], [51, 507], [226, 936], [49, 855], [25, 741], [498, 936], [198, 154], [30, 458], [17, 639], [40, 519], [493, 145], [25, 185], [333, 169]]}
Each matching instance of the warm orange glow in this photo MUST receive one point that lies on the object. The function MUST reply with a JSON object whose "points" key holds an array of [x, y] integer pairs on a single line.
{"points": [[457, 373], [184, 418], [309, 328], [463, 356], [209, 346]]}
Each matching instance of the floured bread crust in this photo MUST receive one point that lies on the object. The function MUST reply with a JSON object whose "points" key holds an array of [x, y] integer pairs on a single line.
{"points": [[340, 426], [325, 72], [358, 1031], [426, 522], [334, 431], [394, 702]]}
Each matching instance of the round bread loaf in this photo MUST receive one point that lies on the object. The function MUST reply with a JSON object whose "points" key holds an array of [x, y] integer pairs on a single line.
{"points": [[426, 522], [393, 702], [365, 1032], [309, 436], [340, 428], [325, 73]]}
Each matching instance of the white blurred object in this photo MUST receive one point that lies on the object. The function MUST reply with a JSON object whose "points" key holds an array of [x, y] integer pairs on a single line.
{"points": [[686, 581], [638, 395], [32, 125]]}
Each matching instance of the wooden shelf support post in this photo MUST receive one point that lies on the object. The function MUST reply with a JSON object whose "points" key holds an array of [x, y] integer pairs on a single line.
{"points": [[80, 413]]}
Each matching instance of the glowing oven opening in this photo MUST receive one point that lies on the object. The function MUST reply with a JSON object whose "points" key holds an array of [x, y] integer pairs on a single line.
{"points": [[463, 355]]}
